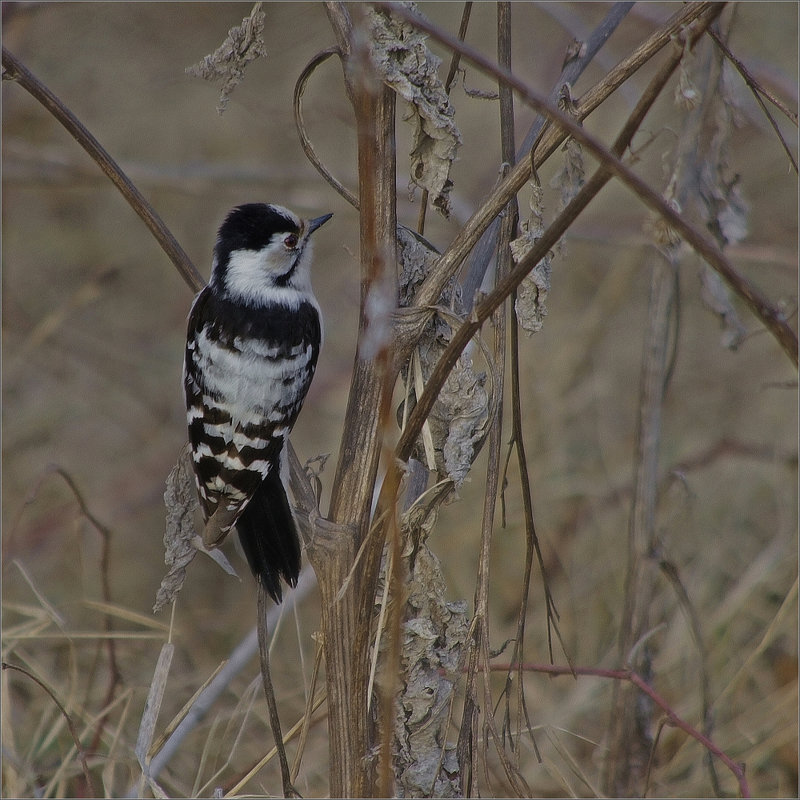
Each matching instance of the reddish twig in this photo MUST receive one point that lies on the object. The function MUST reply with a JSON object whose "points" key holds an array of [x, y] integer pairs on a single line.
{"points": [[640, 683]]}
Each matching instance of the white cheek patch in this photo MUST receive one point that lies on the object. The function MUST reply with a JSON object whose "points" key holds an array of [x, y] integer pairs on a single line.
{"points": [[249, 272], [254, 277]]}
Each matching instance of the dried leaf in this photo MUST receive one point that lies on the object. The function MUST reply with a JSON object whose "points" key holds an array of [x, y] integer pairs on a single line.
{"points": [[717, 298], [434, 633], [530, 305], [459, 418], [463, 404], [687, 95], [417, 258], [702, 184], [571, 176], [405, 63], [228, 62], [181, 501]]}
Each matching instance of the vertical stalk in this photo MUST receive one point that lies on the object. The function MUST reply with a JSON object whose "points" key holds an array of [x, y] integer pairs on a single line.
{"points": [[629, 729], [347, 619]]}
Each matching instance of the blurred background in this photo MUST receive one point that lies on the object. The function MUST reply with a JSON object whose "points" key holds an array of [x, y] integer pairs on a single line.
{"points": [[93, 323]]}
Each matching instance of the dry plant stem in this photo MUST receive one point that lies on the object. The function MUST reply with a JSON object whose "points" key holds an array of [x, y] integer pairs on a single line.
{"points": [[300, 124], [508, 231], [643, 686], [162, 753], [105, 534], [451, 74], [310, 705], [757, 91], [472, 275], [469, 235], [347, 623], [478, 646], [462, 34], [269, 691], [548, 240], [751, 81], [629, 725], [771, 316], [390, 678], [70, 725], [84, 138], [478, 643]]}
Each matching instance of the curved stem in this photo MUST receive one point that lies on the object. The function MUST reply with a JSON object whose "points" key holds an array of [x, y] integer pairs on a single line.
{"points": [[16, 70]]}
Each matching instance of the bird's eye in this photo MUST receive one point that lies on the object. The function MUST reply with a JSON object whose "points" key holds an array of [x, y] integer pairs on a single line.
{"points": [[290, 241]]}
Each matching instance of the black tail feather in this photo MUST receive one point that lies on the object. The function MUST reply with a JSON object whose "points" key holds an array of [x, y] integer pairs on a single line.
{"points": [[268, 534]]}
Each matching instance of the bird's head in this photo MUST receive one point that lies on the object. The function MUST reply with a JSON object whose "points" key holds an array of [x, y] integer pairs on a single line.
{"points": [[263, 254]]}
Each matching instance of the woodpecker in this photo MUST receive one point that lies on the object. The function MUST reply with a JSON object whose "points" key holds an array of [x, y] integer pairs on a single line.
{"points": [[252, 345]]}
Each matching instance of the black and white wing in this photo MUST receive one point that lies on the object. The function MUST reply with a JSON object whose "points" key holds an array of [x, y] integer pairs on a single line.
{"points": [[246, 374]]}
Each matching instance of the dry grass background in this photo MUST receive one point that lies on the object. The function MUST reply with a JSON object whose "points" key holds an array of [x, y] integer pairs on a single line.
{"points": [[93, 328]]}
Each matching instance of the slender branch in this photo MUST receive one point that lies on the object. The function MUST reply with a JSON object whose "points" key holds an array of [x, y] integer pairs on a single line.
{"points": [[754, 85], [300, 124], [548, 240], [507, 232], [547, 143], [456, 59], [105, 553], [640, 683], [16, 70], [269, 691], [771, 316], [573, 68], [626, 757], [70, 724], [757, 91]]}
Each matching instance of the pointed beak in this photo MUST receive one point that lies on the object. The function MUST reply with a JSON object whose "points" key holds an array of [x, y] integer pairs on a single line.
{"points": [[313, 224]]}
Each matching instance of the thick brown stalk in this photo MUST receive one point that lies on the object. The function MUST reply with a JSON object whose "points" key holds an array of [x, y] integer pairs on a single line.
{"points": [[347, 616]]}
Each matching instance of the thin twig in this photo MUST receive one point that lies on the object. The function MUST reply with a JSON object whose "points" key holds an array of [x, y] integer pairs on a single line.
{"points": [[629, 742], [70, 724], [470, 234], [269, 691], [310, 705], [573, 68], [770, 315], [451, 74], [239, 659], [640, 683], [758, 91], [507, 232], [305, 142], [456, 57], [16, 70], [551, 236], [750, 80]]}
